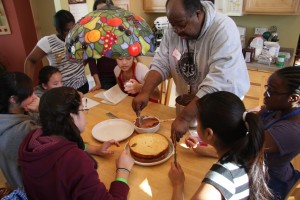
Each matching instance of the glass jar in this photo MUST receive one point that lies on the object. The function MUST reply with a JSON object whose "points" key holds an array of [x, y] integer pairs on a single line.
{"points": [[280, 60]]}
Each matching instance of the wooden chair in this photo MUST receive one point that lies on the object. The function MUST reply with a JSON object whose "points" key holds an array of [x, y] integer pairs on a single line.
{"points": [[294, 193], [165, 91], [296, 162]]}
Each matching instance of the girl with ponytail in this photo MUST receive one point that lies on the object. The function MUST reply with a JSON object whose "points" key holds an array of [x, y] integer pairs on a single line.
{"points": [[238, 139]]}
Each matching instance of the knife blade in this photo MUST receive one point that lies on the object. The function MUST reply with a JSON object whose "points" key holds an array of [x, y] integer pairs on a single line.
{"points": [[175, 151], [110, 115], [140, 118]]}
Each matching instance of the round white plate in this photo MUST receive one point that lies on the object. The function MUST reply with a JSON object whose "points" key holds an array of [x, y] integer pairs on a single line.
{"points": [[118, 129], [171, 152]]}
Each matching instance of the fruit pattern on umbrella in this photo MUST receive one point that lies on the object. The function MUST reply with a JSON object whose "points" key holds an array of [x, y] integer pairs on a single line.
{"points": [[109, 33]]}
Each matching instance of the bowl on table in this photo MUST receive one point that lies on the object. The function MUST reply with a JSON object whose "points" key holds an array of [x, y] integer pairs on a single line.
{"points": [[150, 124]]}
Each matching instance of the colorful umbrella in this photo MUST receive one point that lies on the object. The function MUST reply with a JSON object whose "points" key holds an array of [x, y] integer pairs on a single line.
{"points": [[109, 32]]}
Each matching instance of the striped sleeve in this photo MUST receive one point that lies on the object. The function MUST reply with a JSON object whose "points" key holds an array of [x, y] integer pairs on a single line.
{"points": [[72, 72], [231, 180], [221, 178]]}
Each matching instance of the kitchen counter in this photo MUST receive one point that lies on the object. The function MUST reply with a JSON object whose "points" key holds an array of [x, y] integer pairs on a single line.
{"points": [[262, 67], [252, 66]]}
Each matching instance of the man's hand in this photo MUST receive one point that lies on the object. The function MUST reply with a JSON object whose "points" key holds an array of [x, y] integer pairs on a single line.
{"points": [[182, 122], [140, 102], [179, 127]]}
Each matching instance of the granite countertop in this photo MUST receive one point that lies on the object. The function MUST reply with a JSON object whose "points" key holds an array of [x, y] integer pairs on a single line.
{"points": [[262, 67]]}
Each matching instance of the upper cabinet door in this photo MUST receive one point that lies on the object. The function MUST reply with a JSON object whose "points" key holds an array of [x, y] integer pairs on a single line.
{"points": [[155, 6], [272, 7]]}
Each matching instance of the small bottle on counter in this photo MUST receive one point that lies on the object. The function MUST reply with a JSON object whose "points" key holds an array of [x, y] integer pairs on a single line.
{"points": [[249, 54], [280, 60]]}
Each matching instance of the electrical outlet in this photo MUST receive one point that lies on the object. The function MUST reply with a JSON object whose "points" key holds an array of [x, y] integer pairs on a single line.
{"points": [[260, 30]]}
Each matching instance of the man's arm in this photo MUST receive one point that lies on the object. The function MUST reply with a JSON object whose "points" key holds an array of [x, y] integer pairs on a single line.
{"points": [[153, 79], [35, 56], [181, 124]]}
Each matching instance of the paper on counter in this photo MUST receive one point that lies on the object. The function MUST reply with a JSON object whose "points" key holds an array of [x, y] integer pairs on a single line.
{"points": [[112, 96], [88, 103]]}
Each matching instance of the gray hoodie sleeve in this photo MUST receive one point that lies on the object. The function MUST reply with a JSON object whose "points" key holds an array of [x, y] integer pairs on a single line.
{"points": [[161, 61]]}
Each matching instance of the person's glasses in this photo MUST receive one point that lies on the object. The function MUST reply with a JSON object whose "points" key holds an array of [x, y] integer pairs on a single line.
{"points": [[272, 93], [85, 110], [182, 27]]}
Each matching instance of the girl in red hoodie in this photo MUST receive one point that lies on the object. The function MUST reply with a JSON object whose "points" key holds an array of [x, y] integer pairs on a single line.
{"points": [[53, 162]]}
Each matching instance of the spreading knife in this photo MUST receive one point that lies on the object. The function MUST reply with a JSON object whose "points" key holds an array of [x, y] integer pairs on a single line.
{"points": [[175, 151], [139, 118]]}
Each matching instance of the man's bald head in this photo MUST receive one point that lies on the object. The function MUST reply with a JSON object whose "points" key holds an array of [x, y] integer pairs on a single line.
{"points": [[189, 6]]}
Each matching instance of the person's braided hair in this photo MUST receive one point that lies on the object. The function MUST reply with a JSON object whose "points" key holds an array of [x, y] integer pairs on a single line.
{"points": [[292, 76]]}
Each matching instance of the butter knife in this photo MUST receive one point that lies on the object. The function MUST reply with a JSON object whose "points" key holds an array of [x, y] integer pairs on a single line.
{"points": [[110, 115], [175, 151], [140, 118]]}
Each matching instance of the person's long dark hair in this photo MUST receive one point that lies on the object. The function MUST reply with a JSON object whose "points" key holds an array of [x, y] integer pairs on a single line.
{"points": [[55, 108], [61, 19], [223, 113], [15, 84], [98, 2]]}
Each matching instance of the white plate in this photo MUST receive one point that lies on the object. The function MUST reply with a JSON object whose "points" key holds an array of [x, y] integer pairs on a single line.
{"points": [[118, 129], [171, 152]]}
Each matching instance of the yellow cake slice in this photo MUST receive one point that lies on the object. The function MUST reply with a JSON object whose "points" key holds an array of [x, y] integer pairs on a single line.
{"points": [[148, 145]]}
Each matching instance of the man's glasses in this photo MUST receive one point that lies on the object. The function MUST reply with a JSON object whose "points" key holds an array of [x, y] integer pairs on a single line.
{"points": [[272, 93]]}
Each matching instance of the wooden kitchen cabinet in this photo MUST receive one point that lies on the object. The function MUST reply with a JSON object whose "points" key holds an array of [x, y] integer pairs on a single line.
{"points": [[255, 95], [272, 7], [297, 54], [154, 6]]}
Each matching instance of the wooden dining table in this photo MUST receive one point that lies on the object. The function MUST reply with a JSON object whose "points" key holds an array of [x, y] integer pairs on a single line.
{"points": [[146, 182]]}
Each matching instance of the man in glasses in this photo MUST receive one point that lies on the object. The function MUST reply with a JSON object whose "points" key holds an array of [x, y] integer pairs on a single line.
{"points": [[203, 54]]}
